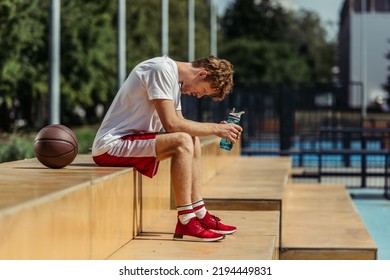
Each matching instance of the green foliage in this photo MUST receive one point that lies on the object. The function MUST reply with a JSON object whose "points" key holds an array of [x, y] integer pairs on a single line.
{"points": [[88, 51], [23, 55], [18, 147], [255, 20], [85, 137], [88, 54], [144, 30], [268, 44], [307, 33], [264, 62]]}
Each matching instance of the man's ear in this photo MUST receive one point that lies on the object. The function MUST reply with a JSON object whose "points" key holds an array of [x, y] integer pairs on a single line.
{"points": [[202, 74]]}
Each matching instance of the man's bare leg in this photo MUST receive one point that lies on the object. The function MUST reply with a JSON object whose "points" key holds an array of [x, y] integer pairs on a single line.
{"points": [[196, 180], [213, 223], [179, 147]]}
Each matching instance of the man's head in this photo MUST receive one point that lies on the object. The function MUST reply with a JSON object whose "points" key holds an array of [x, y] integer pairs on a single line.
{"points": [[219, 75]]}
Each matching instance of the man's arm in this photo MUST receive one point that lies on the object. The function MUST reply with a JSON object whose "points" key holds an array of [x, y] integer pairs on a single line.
{"points": [[173, 121]]}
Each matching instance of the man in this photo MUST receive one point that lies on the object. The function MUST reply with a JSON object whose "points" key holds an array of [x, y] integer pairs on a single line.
{"points": [[144, 125]]}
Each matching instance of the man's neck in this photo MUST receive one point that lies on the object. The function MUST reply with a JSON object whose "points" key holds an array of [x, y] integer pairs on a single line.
{"points": [[185, 70]]}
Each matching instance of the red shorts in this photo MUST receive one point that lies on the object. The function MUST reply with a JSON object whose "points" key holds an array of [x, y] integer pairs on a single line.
{"points": [[136, 151]]}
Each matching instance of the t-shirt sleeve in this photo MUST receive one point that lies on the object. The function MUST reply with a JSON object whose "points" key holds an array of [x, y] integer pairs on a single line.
{"points": [[160, 84]]}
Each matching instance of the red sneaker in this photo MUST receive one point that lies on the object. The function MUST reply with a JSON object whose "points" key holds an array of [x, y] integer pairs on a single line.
{"points": [[194, 230], [213, 223]]}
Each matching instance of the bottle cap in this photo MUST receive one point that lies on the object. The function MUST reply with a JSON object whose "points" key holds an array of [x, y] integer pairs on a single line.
{"points": [[236, 115]]}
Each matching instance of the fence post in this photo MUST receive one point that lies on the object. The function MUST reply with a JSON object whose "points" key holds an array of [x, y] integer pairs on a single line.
{"points": [[287, 120]]}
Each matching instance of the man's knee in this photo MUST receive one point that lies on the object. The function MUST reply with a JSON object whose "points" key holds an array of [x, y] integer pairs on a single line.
{"points": [[185, 142], [169, 144]]}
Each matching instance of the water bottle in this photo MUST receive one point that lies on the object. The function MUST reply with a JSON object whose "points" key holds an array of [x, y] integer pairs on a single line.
{"points": [[232, 117]]}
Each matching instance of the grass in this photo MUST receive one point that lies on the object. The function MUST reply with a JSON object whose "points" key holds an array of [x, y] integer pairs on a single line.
{"points": [[17, 146]]}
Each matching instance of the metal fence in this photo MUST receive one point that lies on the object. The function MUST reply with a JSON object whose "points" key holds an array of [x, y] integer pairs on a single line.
{"points": [[312, 125]]}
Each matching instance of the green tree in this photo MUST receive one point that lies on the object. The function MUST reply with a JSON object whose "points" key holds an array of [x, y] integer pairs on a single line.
{"points": [[263, 62], [309, 36], [23, 54], [255, 20], [267, 43], [144, 30], [88, 51], [88, 54]]}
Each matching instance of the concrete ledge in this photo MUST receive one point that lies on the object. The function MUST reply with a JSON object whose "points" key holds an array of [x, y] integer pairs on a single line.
{"points": [[319, 221], [82, 211], [256, 239], [249, 183], [78, 212]]}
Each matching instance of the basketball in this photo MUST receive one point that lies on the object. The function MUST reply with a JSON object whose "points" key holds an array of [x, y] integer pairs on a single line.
{"points": [[55, 146]]}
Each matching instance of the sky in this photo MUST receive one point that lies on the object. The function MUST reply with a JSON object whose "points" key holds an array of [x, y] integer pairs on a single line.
{"points": [[328, 10]]}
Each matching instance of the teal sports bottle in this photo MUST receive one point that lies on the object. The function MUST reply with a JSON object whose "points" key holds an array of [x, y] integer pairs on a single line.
{"points": [[233, 117]]}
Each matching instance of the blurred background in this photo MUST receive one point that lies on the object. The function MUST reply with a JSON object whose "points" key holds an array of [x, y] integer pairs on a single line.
{"points": [[300, 66], [312, 76]]}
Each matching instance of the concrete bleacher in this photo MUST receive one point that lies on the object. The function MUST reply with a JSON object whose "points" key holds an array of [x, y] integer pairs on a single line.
{"points": [[88, 212], [321, 222], [79, 212], [255, 240]]}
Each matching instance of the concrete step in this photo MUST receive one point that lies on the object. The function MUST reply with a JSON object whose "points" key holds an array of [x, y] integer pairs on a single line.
{"points": [[257, 238], [320, 221]]}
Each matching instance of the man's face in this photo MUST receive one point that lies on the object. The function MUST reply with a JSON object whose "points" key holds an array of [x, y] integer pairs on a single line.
{"points": [[198, 86], [198, 89]]}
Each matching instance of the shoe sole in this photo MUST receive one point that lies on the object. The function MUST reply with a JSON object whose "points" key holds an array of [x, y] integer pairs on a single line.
{"points": [[225, 232], [180, 237]]}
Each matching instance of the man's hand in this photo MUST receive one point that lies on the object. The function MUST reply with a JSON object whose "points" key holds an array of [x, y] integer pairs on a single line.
{"points": [[173, 121], [229, 131]]}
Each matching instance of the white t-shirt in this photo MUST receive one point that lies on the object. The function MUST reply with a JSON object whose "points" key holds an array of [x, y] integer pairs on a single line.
{"points": [[132, 110]]}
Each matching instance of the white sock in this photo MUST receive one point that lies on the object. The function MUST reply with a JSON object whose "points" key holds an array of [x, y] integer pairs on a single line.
{"points": [[199, 208], [185, 213]]}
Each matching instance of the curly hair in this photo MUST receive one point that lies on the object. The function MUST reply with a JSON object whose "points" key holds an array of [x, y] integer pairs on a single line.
{"points": [[219, 74]]}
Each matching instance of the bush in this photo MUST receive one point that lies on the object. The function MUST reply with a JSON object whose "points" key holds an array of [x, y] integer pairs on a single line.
{"points": [[85, 136], [18, 147]]}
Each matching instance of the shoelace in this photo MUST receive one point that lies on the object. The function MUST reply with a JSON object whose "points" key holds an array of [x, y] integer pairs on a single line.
{"points": [[216, 220], [202, 224]]}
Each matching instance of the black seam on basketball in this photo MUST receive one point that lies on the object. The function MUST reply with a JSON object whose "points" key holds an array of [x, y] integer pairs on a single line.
{"points": [[56, 139], [55, 156], [60, 126], [74, 150]]}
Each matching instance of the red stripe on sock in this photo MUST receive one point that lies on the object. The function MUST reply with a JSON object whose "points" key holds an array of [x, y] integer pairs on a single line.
{"points": [[183, 212], [199, 207]]}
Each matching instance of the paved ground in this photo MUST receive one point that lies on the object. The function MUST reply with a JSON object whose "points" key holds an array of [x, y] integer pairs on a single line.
{"points": [[375, 212]]}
